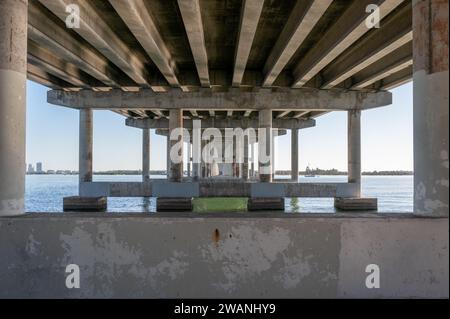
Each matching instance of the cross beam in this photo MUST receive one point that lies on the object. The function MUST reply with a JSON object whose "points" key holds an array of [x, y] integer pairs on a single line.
{"points": [[221, 123], [233, 99]]}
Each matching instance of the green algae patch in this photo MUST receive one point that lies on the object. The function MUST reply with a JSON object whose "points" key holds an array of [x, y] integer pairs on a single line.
{"points": [[220, 204]]}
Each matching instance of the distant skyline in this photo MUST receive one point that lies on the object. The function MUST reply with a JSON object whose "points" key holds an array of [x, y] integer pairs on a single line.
{"points": [[52, 138]]}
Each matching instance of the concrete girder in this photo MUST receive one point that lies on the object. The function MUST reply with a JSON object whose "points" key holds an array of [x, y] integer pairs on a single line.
{"points": [[400, 77], [394, 32], [66, 71], [250, 13], [302, 20], [97, 32], [47, 34], [192, 19], [234, 99], [350, 26], [44, 78], [138, 19], [243, 123], [390, 64]]}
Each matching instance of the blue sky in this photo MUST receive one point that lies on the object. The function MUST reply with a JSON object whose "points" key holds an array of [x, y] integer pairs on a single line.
{"points": [[52, 138]]}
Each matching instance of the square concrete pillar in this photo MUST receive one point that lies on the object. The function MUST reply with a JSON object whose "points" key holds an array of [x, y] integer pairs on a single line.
{"points": [[294, 155], [354, 149], [176, 160], [265, 146], [145, 155], [430, 107], [85, 147]]}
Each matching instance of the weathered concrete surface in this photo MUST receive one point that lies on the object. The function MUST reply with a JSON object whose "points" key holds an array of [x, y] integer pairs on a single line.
{"points": [[243, 123], [232, 99], [85, 152], [217, 188], [354, 149], [163, 256], [145, 154], [431, 82], [13, 68]]}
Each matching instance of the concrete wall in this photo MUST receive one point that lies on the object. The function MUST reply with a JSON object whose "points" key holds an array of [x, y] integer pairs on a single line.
{"points": [[240, 256], [217, 188]]}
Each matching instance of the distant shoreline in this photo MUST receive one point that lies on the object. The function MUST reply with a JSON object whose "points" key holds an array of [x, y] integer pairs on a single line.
{"points": [[281, 172]]}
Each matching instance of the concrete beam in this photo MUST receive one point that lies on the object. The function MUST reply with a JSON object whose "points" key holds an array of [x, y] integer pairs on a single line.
{"points": [[390, 64], [97, 32], [394, 32], [302, 20], [349, 27], [192, 19], [38, 75], [396, 79], [46, 33], [138, 19], [250, 13], [243, 123], [235, 99], [63, 70]]}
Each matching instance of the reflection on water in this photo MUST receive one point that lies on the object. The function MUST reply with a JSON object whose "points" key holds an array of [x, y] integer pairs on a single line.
{"points": [[44, 193]]}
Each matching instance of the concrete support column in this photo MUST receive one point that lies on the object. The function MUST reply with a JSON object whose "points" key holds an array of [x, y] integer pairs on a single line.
{"points": [[264, 147], [245, 164], [354, 149], [430, 107], [13, 76], [252, 164], [176, 122], [189, 159], [168, 156], [85, 146], [294, 155], [145, 155]]}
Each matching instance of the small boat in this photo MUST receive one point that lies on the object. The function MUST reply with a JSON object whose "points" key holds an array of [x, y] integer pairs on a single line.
{"points": [[309, 172]]}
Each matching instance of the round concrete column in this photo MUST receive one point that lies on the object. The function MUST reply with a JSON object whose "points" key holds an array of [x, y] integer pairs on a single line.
{"points": [[294, 155], [265, 147], [176, 122], [13, 69], [354, 149], [85, 147], [430, 105], [145, 155]]}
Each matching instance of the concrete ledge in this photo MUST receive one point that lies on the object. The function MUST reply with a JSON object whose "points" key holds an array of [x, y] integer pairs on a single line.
{"points": [[217, 188], [265, 203], [253, 256], [80, 203], [179, 204], [359, 204]]}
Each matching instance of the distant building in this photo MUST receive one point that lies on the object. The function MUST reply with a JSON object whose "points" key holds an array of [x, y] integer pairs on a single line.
{"points": [[39, 167], [30, 168]]}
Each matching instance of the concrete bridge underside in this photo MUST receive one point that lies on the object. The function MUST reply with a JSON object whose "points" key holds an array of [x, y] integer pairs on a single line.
{"points": [[277, 63]]}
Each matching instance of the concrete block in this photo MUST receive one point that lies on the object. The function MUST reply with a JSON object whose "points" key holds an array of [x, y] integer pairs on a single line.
{"points": [[268, 190], [354, 203], [175, 204], [81, 203], [265, 203]]}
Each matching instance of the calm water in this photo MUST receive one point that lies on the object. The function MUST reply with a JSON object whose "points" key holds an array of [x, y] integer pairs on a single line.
{"points": [[44, 193]]}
